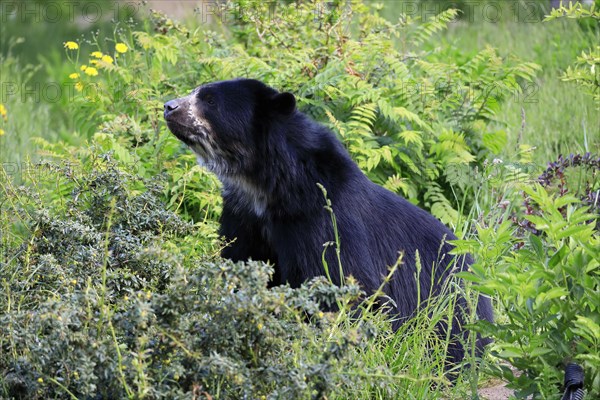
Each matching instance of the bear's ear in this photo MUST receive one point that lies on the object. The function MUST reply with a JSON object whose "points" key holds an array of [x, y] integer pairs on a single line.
{"points": [[284, 103]]}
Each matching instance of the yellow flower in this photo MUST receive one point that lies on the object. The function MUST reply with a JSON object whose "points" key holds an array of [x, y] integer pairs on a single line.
{"points": [[74, 75], [2, 132], [107, 59], [83, 67], [121, 47], [79, 86], [40, 380], [91, 71], [94, 62], [2, 111], [71, 45], [96, 54]]}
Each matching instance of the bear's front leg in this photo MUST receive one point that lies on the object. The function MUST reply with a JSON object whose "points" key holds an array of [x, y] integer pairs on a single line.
{"points": [[244, 241]]}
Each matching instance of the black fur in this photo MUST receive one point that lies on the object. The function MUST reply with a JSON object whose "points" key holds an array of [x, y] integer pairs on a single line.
{"points": [[270, 157]]}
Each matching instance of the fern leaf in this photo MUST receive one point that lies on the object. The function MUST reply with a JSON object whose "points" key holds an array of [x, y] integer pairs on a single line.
{"points": [[412, 137]]}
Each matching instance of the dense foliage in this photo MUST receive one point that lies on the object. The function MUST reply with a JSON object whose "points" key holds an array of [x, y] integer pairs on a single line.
{"points": [[111, 282], [539, 257], [587, 68], [408, 116], [108, 295]]}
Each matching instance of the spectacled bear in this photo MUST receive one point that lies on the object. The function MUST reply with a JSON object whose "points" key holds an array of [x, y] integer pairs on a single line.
{"points": [[270, 157]]}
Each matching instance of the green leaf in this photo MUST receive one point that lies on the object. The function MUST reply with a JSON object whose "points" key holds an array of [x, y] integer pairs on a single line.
{"points": [[566, 199], [537, 246], [551, 294], [572, 231], [411, 137], [539, 222], [495, 141], [511, 352], [539, 351], [558, 257], [467, 276], [588, 327]]}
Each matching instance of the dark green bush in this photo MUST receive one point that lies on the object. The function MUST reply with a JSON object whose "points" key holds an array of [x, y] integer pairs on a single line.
{"points": [[214, 330], [105, 294]]}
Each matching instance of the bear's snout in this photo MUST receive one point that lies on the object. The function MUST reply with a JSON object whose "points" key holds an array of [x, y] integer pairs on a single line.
{"points": [[171, 106]]}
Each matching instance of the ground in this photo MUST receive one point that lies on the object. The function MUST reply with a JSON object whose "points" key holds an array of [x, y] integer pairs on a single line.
{"points": [[498, 391]]}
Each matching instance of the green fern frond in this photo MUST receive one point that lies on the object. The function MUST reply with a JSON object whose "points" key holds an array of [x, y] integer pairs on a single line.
{"points": [[407, 115], [440, 206], [337, 125], [408, 161], [412, 137], [397, 184], [362, 119], [433, 25]]}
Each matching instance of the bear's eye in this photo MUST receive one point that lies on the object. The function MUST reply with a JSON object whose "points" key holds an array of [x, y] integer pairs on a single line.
{"points": [[209, 99]]}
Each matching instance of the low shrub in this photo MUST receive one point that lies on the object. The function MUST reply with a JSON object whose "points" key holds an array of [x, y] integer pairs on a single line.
{"points": [[106, 294]]}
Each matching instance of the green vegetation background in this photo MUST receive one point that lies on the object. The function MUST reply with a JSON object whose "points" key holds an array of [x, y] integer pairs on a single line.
{"points": [[112, 287]]}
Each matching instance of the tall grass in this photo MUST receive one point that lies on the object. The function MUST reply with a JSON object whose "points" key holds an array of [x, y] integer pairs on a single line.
{"points": [[27, 117], [554, 116]]}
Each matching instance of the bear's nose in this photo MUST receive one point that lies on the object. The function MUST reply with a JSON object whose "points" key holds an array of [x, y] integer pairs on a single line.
{"points": [[171, 106]]}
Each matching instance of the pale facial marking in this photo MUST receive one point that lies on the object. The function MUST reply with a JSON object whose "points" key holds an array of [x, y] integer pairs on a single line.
{"points": [[203, 144], [210, 156], [198, 122]]}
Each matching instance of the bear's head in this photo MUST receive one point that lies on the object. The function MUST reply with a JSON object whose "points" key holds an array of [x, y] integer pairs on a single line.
{"points": [[225, 122]]}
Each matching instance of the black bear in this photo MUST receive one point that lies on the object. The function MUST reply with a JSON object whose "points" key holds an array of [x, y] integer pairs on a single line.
{"points": [[270, 158]]}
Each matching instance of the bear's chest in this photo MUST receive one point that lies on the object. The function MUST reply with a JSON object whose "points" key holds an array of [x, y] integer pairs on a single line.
{"points": [[244, 198]]}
